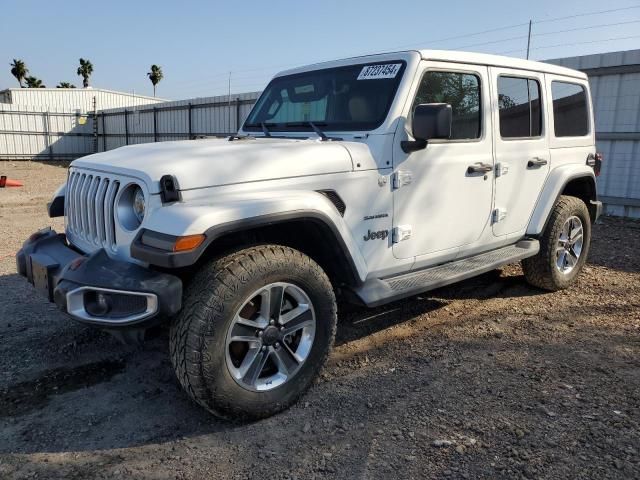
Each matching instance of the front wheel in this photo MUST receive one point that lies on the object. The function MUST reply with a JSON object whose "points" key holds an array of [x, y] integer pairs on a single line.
{"points": [[255, 330], [564, 246]]}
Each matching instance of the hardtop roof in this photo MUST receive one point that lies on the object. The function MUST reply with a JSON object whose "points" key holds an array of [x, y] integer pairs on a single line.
{"points": [[449, 56]]}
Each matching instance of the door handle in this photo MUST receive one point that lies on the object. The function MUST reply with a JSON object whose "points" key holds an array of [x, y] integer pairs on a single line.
{"points": [[536, 162], [479, 168]]}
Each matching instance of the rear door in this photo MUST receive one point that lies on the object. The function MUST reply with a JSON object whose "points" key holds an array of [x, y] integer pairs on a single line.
{"points": [[521, 146]]}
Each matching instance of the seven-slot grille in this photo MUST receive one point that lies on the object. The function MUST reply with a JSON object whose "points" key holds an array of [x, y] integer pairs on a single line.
{"points": [[89, 209]]}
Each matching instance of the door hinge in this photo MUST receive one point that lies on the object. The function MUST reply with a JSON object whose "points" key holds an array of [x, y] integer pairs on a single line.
{"points": [[401, 233], [499, 214], [502, 169], [402, 177]]}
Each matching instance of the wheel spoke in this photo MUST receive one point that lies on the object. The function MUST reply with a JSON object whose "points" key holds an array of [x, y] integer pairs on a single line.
{"points": [[576, 232], [285, 359], [253, 324], [271, 303], [575, 239], [297, 321], [277, 294], [244, 339], [248, 329], [256, 361], [572, 258], [562, 259]]}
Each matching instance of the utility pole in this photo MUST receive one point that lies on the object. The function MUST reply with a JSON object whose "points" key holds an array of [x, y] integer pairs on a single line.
{"points": [[529, 40], [229, 101]]}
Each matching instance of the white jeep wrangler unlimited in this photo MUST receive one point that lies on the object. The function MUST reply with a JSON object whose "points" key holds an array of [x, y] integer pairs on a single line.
{"points": [[375, 177]]}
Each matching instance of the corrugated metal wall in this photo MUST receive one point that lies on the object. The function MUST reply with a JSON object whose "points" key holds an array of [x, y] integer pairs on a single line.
{"points": [[615, 88], [178, 120]]}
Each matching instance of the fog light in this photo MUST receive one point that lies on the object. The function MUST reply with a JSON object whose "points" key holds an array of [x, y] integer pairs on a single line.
{"points": [[102, 299], [97, 304]]}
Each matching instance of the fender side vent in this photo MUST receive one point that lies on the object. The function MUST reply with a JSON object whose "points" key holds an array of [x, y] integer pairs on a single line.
{"points": [[335, 199]]}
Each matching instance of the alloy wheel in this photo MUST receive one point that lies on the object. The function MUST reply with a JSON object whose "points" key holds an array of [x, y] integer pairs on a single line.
{"points": [[270, 336], [569, 245]]}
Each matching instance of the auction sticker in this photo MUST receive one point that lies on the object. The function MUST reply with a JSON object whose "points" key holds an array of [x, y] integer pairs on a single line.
{"points": [[375, 72]]}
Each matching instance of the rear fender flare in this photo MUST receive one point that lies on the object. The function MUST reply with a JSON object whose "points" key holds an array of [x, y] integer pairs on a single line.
{"points": [[556, 182]]}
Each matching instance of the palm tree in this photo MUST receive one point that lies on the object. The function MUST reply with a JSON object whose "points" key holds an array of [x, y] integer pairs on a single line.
{"points": [[155, 75], [85, 70], [19, 70], [65, 85], [33, 82]]}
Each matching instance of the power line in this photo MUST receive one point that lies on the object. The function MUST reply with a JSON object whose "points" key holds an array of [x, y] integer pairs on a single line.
{"points": [[445, 39], [600, 12], [557, 19], [573, 44], [546, 33]]}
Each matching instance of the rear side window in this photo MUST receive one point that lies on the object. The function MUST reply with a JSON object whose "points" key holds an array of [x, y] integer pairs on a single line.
{"points": [[570, 112], [519, 106], [462, 92]]}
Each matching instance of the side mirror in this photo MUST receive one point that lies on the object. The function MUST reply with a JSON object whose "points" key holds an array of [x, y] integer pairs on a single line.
{"points": [[430, 120]]}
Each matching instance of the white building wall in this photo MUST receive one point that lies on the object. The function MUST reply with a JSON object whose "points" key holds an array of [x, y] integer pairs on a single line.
{"points": [[73, 98]]}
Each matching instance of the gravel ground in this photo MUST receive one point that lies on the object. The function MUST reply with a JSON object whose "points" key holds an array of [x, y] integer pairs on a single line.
{"points": [[486, 379]]}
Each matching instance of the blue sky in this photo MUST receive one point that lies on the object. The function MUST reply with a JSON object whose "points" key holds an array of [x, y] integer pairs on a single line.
{"points": [[198, 43]]}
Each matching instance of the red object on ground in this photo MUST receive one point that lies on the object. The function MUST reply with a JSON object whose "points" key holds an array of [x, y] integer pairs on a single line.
{"points": [[7, 182]]}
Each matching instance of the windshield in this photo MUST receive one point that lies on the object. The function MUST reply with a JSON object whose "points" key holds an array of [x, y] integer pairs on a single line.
{"points": [[355, 97]]}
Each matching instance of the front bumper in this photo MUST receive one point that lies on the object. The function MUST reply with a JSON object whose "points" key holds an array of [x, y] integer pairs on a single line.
{"points": [[95, 288]]}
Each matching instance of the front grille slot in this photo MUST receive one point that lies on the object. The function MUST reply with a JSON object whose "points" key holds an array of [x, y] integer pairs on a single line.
{"points": [[90, 208]]}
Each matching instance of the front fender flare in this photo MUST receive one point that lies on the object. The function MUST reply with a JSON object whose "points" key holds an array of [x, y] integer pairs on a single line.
{"points": [[230, 215]]}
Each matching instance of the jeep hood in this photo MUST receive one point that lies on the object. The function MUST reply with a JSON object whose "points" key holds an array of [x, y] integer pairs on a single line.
{"points": [[215, 162]]}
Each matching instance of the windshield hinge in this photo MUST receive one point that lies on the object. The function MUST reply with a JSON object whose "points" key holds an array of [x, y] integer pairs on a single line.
{"points": [[402, 177]]}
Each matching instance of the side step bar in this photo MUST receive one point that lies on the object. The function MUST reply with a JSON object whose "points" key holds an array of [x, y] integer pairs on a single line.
{"points": [[378, 291]]}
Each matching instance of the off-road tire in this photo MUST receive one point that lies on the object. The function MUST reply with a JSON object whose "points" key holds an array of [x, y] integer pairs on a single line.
{"points": [[540, 270], [197, 335]]}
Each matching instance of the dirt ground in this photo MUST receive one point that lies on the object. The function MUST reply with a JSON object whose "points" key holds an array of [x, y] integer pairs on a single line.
{"points": [[486, 379]]}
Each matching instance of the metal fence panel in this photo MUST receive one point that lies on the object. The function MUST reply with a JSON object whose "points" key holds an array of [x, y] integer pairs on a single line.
{"points": [[180, 120], [28, 132]]}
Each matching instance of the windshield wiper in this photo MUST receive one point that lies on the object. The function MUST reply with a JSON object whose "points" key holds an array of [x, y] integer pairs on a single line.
{"points": [[319, 132], [314, 126], [265, 129]]}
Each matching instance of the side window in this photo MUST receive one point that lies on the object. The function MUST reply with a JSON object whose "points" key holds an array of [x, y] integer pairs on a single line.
{"points": [[462, 92], [519, 107], [570, 112]]}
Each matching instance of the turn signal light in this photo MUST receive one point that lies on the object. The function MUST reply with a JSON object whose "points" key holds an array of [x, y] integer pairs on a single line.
{"points": [[188, 242]]}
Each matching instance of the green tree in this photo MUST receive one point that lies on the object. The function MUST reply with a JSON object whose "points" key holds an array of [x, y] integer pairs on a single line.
{"points": [[33, 82], [85, 70], [65, 85], [19, 70], [155, 75]]}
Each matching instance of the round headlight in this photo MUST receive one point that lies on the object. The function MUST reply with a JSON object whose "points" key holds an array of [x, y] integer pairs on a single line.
{"points": [[131, 207], [138, 204]]}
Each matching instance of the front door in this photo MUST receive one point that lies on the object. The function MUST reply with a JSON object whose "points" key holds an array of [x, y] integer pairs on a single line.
{"points": [[521, 147], [443, 193]]}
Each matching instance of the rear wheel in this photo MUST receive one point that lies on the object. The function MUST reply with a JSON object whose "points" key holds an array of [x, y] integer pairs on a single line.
{"points": [[256, 328], [564, 246]]}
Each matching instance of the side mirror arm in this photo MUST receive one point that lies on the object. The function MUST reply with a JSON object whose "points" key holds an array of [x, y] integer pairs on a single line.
{"points": [[409, 146]]}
